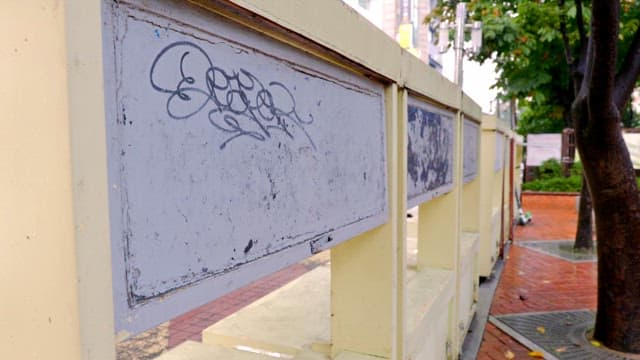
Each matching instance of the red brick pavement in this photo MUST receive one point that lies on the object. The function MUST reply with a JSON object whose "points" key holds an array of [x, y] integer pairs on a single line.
{"points": [[554, 217], [532, 281], [497, 345]]}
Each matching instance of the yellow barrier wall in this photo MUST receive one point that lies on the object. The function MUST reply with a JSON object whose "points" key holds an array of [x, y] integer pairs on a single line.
{"points": [[39, 307], [55, 253]]}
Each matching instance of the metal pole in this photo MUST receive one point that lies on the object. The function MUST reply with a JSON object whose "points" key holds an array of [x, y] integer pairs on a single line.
{"points": [[458, 46]]}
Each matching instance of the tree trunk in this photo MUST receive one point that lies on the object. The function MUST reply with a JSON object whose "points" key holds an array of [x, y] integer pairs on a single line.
{"points": [[616, 202], [615, 198], [611, 180], [584, 232]]}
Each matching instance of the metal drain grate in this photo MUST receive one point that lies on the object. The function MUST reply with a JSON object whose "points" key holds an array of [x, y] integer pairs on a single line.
{"points": [[562, 249], [557, 334]]}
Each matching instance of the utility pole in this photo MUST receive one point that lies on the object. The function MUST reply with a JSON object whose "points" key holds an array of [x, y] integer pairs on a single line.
{"points": [[458, 44]]}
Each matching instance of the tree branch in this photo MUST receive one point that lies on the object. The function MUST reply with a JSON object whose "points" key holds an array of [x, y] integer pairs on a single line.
{"points": [[581, 28], [580, 67], [571, 66], [604, 36], [628, 74], [578, 108]]}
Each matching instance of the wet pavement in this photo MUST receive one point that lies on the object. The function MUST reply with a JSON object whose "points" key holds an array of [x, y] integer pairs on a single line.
{"points": [[535, 281]]}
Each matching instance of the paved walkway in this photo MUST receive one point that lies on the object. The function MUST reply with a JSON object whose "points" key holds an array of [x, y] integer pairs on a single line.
{"points": [[189, 326], [531, 281]]}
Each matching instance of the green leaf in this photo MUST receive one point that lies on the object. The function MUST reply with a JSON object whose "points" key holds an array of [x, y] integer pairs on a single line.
{"points": [[523, 39]]}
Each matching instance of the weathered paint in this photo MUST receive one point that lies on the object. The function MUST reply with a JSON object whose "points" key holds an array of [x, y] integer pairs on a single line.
{"points": [[429, 152], [230, 156], [500, 149], [69, 171], [471, 146], [372, 265]]}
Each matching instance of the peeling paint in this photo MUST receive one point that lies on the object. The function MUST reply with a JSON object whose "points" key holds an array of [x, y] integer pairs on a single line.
{"points": [[248, 247], [429, 152], [188, 213], [471, 150], [500, 152]]}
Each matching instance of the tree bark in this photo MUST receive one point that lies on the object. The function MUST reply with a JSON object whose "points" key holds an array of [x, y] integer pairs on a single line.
{"points": [[584, 232], [614, 192], [617, 208]]}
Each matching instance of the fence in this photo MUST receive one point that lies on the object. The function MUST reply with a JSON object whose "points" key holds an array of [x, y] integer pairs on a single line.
{"points": [[161, 154]]}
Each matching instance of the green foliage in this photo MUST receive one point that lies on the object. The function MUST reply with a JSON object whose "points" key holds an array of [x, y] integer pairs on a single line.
{"points": [[576, 169], [556, 184], [541, 119], [550, 178], [524, 40], [532, 66], [630, 119], [549, 169]]}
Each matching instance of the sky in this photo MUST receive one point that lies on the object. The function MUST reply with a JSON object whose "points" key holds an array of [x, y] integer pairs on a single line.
{"points": [[476, 80]]}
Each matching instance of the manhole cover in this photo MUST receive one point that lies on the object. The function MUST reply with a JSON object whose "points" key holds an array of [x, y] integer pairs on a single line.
{"points": [[562, 249], [557, 334]]}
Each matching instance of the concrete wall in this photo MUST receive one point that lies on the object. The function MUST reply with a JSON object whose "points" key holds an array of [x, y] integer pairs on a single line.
{"points": [[496, 189], [57, 267], [39, 306], [57, 264]]}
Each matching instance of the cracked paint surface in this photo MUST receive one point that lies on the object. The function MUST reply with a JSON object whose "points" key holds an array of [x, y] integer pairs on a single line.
{"points": [[471, 135], [230, 155], [429, 152]]}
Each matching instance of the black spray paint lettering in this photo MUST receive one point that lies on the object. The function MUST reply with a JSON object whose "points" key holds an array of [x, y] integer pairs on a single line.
{"points": [[242, 105]]}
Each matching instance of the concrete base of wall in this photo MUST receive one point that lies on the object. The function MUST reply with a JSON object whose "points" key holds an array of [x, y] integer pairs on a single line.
{"points": [[287, 321], [490, 244], [191, 350], [294, 321], [430, 295]]}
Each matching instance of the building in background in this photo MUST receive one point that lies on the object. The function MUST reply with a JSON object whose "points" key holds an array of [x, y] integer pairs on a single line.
{"points": [[403, 21]]}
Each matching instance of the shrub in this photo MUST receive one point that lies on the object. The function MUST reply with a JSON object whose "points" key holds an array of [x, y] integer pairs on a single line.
{"points": [[576, 169], [549, 169], [550, 178], [555, 184]]}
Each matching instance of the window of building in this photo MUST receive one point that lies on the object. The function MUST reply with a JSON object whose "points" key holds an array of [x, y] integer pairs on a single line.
{"points": [[365, 4]]}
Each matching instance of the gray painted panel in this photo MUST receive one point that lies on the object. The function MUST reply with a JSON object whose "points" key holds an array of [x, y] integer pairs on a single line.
{"points": [[471, 135], [500, 152], [230, 156], [429, 152]]}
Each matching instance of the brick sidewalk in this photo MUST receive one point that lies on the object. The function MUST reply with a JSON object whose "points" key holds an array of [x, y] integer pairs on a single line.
{"points": [[532, 281], [554, 217]]}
